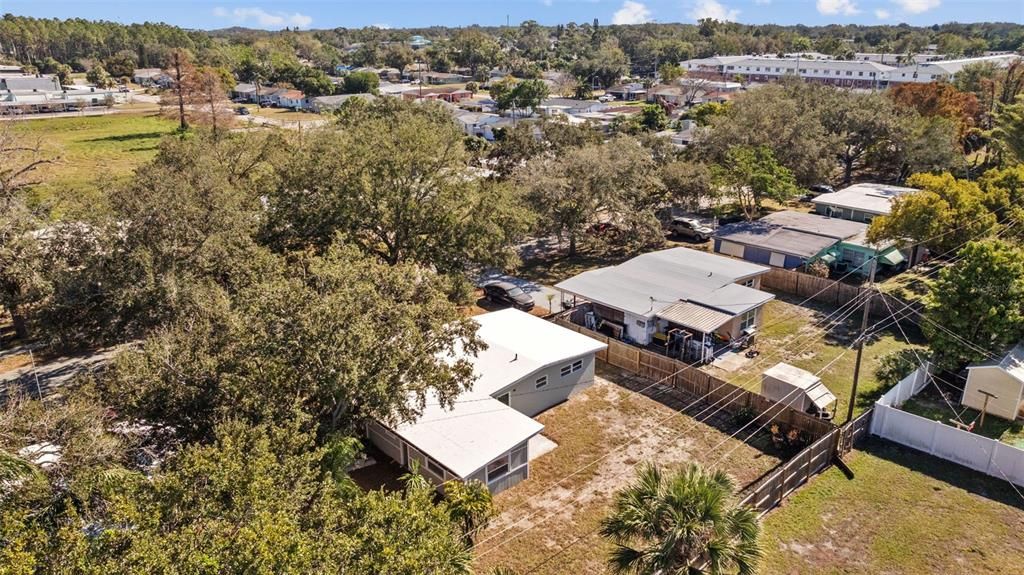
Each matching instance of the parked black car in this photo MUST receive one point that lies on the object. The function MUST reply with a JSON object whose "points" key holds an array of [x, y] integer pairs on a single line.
{"points": [[815, 191], [508, 293]]}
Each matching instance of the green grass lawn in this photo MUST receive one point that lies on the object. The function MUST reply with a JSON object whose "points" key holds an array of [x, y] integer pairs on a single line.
{"points": [[911, 284], [788, 336], [95, 152], [929, 405], [904, 512]]}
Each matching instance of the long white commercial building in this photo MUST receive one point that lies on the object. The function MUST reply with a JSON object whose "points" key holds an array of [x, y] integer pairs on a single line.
{"points": [[860, 73]]}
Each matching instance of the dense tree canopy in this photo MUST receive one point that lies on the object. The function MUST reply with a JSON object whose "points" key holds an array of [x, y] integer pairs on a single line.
{"points": [[979, 299], [614, 182], [394, 179]]}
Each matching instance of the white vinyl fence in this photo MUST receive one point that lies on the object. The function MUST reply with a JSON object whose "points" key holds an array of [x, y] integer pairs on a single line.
{"points": [[982, 454]]}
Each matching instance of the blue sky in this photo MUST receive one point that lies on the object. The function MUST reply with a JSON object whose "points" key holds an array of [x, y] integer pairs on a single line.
{"points": [[208, 14]]}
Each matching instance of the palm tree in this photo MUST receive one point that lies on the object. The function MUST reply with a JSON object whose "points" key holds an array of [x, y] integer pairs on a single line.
{"points": [[684, 522]]}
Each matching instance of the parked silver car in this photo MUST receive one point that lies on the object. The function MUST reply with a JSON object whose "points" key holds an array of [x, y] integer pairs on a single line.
{"points": [[690, 228]]}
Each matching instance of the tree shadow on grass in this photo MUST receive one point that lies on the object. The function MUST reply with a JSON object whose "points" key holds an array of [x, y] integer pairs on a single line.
{"points": [[129, 137], [993, 488]]}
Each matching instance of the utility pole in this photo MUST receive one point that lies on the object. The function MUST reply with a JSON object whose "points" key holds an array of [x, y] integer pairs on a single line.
{"points": [[181, 96], [860, 338]]}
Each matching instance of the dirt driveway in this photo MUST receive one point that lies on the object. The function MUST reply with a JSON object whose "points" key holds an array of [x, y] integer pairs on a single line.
{"points": [[548, 523]]}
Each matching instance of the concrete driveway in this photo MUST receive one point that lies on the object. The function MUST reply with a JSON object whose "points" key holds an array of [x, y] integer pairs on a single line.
{"points": [[538, 292]]}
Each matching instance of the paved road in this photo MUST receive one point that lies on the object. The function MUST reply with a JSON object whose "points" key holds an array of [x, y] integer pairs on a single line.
{"points": [[46, 378]]}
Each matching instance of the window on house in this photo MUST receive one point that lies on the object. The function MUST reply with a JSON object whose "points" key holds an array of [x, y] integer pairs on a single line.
{"points": [[749, 319], [497, 468], [566, 370], [833, 212], [541, 381], [577, 365], [435, 467], [519, 457], [748, 283], [853, 258], [860, 73], [849, 72]]}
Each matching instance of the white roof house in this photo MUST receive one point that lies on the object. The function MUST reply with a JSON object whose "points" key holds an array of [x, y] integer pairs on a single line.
{"points": [[529, 365], [997, 386], [653, 285], [859, 202]]}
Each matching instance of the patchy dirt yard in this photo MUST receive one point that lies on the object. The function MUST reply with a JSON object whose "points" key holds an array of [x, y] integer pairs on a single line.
{"points": [[904, 512], [548, 523]]}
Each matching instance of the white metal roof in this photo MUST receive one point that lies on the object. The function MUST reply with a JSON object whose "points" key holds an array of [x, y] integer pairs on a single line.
{"points": [[804, 380], [649, 283], [870, 198], [479, 428], [470, 435]]}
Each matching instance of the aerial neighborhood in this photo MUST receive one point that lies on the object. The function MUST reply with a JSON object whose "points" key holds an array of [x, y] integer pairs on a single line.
{"points": [[579, 288]]}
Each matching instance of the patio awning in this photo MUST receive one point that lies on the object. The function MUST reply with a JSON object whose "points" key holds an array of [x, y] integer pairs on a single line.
{"points": [[891, 257], [694, 316]]}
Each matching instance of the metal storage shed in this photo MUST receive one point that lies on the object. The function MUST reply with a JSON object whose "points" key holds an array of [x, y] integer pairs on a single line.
{"points": [[797, 388]]}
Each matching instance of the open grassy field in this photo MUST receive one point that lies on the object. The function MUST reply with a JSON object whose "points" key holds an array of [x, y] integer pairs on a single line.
{"points": [[788, 335], [95, 151], [905, 512], [548, 523]]}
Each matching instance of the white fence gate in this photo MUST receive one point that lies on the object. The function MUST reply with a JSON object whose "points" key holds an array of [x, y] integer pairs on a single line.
{"points": [[971, 450]]}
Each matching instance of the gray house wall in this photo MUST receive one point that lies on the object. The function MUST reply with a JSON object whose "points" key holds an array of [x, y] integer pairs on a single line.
{"points": [[848, 214], [527, 399]]}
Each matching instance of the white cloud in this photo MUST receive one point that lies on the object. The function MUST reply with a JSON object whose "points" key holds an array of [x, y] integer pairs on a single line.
{"points": [[632, 13], [381, 26], [882, 14], [762, 2], [844, 7], [546, 2], [917, 6], [262, 18], [714, 10]]}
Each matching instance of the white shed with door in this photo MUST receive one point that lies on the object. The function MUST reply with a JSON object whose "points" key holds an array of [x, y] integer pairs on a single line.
{"points": [[797, 388], [1000, 382]]}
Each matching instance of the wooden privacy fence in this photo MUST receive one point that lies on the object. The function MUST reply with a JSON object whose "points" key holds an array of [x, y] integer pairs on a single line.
{"points": [[767, 492], [825, 290], [772, 489], [674, 373]]}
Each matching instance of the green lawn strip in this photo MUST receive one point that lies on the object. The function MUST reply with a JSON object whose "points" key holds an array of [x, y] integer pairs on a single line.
{"points": [[95, 152], [905, 512]]}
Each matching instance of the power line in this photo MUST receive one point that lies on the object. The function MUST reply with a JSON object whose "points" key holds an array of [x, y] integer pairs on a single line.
{"points": [[577, 540], [958, 418], [737, 393]]}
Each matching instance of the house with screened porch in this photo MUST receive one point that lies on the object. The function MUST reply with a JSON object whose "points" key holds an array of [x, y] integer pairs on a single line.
{"points": [[489, 433]]}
